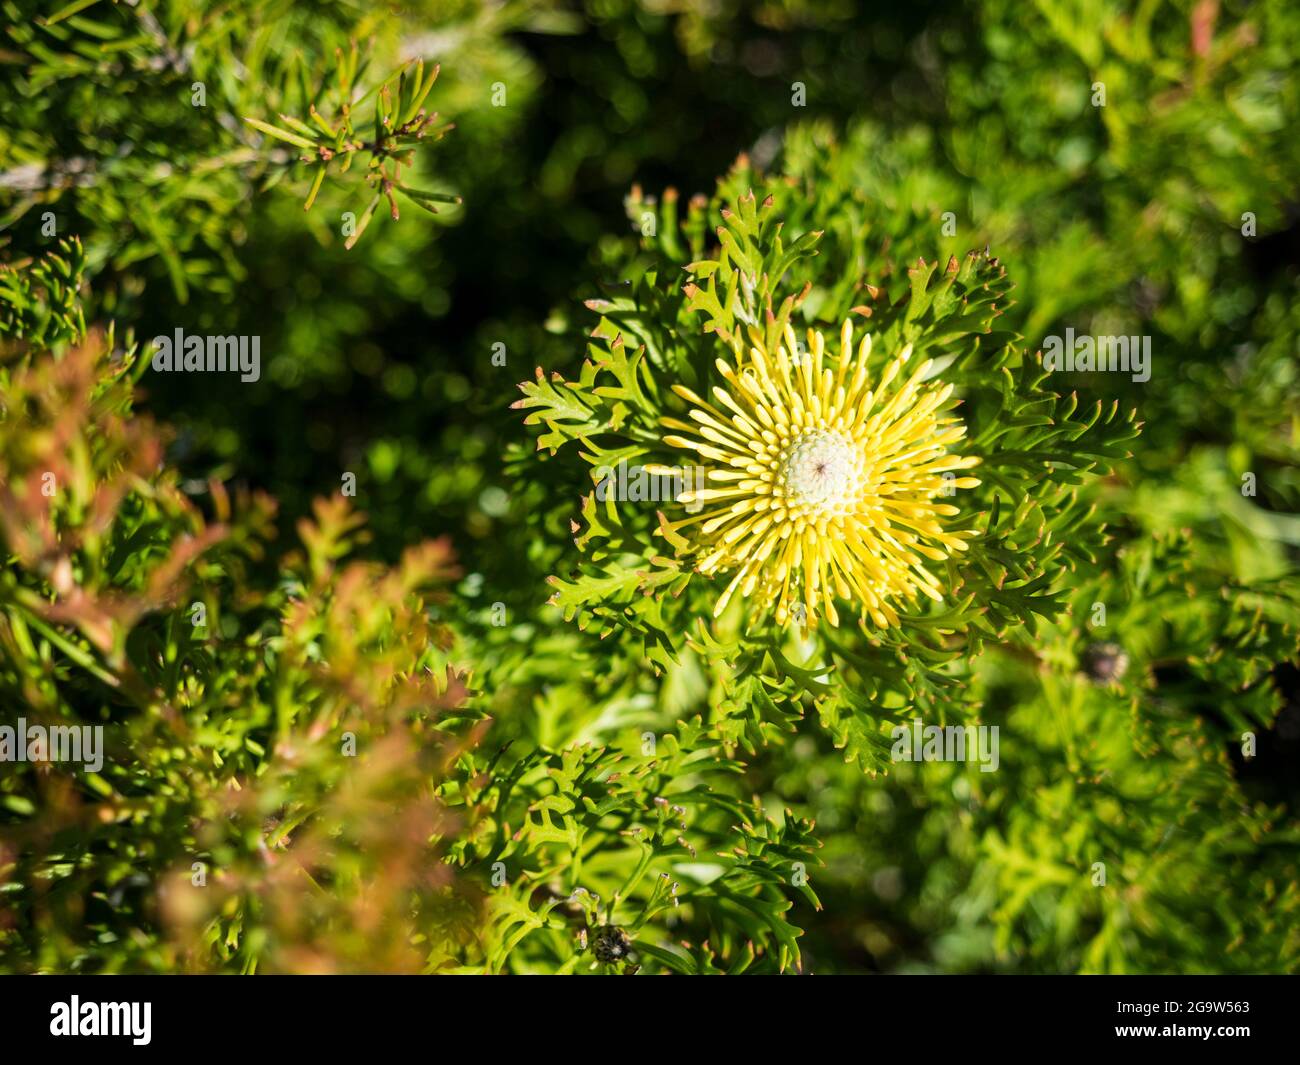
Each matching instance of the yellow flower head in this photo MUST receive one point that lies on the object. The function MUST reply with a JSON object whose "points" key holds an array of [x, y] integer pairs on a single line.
{"points": [[820, 484]]}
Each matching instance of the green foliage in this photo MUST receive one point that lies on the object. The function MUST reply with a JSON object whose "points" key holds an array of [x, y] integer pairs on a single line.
{"points": [[624, 837], [486, 722], [225, 704], [41, 302], [400, 124], [131, 125]]}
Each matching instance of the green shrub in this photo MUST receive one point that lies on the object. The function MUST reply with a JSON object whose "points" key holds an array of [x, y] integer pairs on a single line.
{"points": [[445, 706]]}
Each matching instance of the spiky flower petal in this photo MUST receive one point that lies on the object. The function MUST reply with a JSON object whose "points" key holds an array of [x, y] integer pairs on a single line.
{"points": [[821, 485]]}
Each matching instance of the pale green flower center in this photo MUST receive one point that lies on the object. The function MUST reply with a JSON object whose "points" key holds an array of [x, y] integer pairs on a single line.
{"points": [[821, 472]]}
